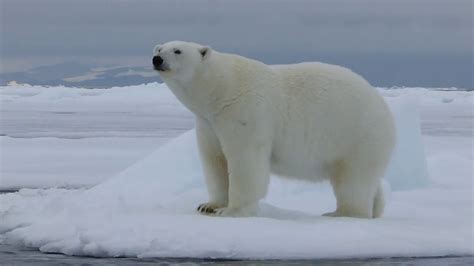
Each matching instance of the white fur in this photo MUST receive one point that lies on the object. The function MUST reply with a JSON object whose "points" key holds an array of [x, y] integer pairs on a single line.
{"points": [[309, 121]]}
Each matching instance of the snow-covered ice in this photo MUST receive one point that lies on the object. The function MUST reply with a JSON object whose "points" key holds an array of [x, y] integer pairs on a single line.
{"points": [[148, 210], [136, 111], [58, 162], [73, 137]]}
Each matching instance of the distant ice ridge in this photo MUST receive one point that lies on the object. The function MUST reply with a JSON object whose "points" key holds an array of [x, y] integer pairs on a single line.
{"points": [[124, 97]]}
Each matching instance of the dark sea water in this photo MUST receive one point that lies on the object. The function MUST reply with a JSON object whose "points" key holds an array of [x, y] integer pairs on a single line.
{"points": [[11, 255]]}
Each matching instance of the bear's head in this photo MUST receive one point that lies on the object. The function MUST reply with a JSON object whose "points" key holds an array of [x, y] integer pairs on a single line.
{"points": [[179, 60]]}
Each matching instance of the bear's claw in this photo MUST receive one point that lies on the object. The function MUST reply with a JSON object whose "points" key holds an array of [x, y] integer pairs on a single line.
{"points": [[215, 210], [207, 208]]}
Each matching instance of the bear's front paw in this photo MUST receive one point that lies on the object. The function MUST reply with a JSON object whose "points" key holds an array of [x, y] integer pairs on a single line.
{"points": [[248, 210], [208, 208]]}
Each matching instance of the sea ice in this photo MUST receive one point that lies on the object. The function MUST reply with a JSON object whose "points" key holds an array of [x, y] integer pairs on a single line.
{"points": [[148, 210]]}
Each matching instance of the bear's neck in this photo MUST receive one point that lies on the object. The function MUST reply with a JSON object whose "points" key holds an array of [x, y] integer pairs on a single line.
{"points": [[203, 93]]}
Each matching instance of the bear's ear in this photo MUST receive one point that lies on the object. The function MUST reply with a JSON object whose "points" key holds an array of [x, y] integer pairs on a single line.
{"points": [[205, 52]]}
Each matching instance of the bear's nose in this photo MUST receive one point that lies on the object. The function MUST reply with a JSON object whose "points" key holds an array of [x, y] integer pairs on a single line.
{"points": [[157, 61]]}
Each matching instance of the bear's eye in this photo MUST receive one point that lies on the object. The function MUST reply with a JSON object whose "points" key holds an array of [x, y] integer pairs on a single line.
{"points": [[177, 51]]}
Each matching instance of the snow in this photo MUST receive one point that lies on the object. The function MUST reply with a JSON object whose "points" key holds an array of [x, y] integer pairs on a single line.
{"points": [[73, 137], [148, 210], [61, 162]]}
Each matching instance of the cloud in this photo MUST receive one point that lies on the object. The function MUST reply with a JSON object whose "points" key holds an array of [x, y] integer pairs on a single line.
{"points": [[133, 27], [403, 42]]}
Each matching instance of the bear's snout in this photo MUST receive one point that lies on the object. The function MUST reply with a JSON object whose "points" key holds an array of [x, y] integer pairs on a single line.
{"points": [[157, 62]]}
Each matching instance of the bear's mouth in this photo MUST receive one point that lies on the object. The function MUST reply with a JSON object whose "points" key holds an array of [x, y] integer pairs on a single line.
{"points": [[160, 68]]}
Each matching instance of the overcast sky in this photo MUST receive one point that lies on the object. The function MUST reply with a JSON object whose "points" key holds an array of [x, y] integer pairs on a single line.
{"points": [[432, 37]]}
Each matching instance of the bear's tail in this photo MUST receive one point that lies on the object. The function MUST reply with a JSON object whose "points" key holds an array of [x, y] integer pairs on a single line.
{"points": [[379, 202]]}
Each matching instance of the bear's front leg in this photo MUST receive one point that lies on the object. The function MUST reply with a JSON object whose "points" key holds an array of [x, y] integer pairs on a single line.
{"points": [[248, 163], [248, 181], [214, 165]]}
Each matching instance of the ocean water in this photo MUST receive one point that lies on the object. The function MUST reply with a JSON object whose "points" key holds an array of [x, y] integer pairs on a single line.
{"points": [[12, 255]]}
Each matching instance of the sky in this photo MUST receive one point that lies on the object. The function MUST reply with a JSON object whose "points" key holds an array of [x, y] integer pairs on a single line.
{"points": [[390, 42]]}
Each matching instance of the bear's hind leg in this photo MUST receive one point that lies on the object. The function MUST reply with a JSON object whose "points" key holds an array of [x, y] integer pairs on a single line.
{"points": [[355, 186]]}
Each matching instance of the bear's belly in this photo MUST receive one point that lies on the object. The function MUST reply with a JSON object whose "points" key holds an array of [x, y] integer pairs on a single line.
{"points": [[299, 164], [303, 150]]}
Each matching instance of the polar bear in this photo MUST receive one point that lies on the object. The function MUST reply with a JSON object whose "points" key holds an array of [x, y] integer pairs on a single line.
{"points": [[311, 121]]}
